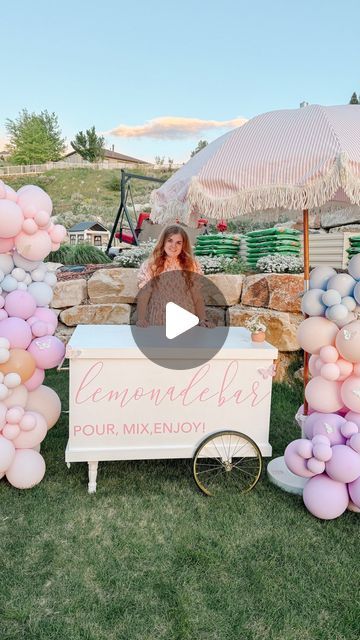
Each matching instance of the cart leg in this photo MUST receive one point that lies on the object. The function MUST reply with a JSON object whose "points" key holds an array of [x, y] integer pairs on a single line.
{"points": [[93, 467]]}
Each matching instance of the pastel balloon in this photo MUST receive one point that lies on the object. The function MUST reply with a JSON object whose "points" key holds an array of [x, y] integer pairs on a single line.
{"points": [[10, 193], [11, 219], [329, 354], [34, 198], [12, 380], [337, 313], [47, 351], [38, 274], [41, 292], [2, 189], [311, 303], [348, 342], [322, 452], [343, 283], [55, 246], [27, 469], [48, 400], [350, 393], [349, 429], [349, 302], [50, 279], [317, 332], [356, 293], [47, 315], [312, 365], [331, 297], [6, 244], [344, 465], [17, 331], [354, 267], [39, 329], [27, 265], [29, 226], [325, 498], [354, 491], [4, 355], [345, 367], [295, 462], [20, 304], [35, 247], [7, 453], [58, 233], [28, 421], [324, 395], [21, 362], [330, 371], [329, 425], [308, 425], [9, 284], [355, 442], [29, 439], [6, 263], [320, 276], [11, 431], [42, 218], [36, 379], [18, 397], [14, 415], [18, 273], [315, 466], [3, 413]]}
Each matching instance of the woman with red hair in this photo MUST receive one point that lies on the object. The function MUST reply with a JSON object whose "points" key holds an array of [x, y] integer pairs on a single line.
{"points": [[172, 254]]}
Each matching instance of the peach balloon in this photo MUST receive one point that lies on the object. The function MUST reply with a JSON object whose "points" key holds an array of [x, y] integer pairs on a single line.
{"points": [[34, 198], [21, 362], [330, 371], [345, 367], [27, 469], [29, 439], [57, 233], [7, 453], [18, 397], [324, 395], [35, 247], [329, 354], [10, 193], [313, 365], [348, 342], [6, 244], [316, 332], [11, 219], [350, 393], [47, 401]]}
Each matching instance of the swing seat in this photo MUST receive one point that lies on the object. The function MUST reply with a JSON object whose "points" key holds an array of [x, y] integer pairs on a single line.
{"points": [[128, 237]]}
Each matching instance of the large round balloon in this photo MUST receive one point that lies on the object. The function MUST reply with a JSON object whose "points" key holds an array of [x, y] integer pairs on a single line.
{"points": [[350, 393], [354, 491], [312, 304], [47, 351], [6, 263], [47, 401], [29, 439], [36, 380], [27, 469], [41, 292], [17, 398], [324, 395], [343, 283], [317, 332], [348, 342], [23, 263], [17, 331], [296, 457], [329, 425], [20, 304], [11, 219], [34, 247], [7, 453], [320, 276], [21, 362], [34, 199], [344, 465], [325, 498]]}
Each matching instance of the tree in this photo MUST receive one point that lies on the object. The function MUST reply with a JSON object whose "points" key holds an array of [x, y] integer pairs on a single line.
{"points": [[34, 138], [200, 145], [89, 145], [354, 99]]}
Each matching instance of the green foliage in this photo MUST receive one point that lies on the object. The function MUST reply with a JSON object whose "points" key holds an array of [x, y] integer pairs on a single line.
{"points": [[78, 254], [35, 138], [89, 145], [200, 145], [354, 99]]}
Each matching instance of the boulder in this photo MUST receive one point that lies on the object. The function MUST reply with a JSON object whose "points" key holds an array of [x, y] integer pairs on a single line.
{"points": [[96, 314], [278, 291], [113, 285], [281, 327], [230, 286], [68, 293], [341, 217], [63, 332]]}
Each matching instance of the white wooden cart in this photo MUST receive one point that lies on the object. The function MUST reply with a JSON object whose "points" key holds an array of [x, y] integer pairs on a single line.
{"points": [[123, 406]]}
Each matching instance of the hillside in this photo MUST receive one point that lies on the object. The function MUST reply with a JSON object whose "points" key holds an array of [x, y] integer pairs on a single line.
{"points": [[88, 194]]}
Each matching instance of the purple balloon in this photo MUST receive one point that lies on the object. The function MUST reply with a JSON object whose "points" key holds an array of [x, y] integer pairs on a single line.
{"points": [[329, 424], [344, 465], [354, 491], [20, 304], [325, 498], [47, 351], [294, 461], [17, 331]]}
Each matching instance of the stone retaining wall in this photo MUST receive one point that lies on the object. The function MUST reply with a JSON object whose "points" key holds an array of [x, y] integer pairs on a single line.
{"points": [[108, 297]]}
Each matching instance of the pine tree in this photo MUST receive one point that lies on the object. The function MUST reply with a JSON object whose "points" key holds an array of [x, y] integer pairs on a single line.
{"points": [[89, 145], [200, 145], [354, 99]]}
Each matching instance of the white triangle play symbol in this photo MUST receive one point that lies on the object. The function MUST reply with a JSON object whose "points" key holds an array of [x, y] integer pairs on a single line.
{"points": [[178, 320]]}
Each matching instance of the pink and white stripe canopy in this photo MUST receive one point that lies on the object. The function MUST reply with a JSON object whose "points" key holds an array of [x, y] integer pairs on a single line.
{"points": [[292, 159]]}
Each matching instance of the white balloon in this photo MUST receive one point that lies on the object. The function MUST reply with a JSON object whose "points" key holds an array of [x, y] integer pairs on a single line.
{"points": [[28, 265], [4, 355], [12, 380], [50, 279], [4, 343], [4, 392], [2, 275], [27, 279], [37, 275], [19, 274], [9, 284], [41, 292], [6, 263], [22, 286]]}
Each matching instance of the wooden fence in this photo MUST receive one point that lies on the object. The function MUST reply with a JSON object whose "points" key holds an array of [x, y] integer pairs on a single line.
{"points": [[20, 170]]}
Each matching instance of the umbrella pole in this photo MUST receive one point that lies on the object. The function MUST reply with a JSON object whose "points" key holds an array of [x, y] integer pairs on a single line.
{"points": [[306, 288]]}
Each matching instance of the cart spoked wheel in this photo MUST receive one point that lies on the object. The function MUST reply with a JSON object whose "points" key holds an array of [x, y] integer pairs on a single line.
{"points": [[227, 461]]}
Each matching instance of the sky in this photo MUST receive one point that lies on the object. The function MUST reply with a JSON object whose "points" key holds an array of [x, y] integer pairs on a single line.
{"points": [[154, 77]]}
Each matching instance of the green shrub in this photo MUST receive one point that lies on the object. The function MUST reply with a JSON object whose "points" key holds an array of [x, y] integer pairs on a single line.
{"points": [[79, 254]]}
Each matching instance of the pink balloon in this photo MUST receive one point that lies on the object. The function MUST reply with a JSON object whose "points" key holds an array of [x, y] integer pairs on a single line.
{"points": [[58, 233], [17, 331], [55, 246], [344, 465], [47, 351], [20, 304], [329, 425], [2, 189], [34, 198], [35, 247], [29, 226], [329, 354], [29, 439], [316, 332], [26, 470], [310, 422], [11, 219], [354, 491], [42, 218], [28, 422], [7, 454], [313, 365], [322, 452], [47, 401], [330, 371], [325, 498], [6, 244], [3, 412], [3, 314], [345, 368], [316, 466], [348, 342], [36, 380], [295, 462], [14, 415], [18, 397], [10, 193], [350, 393], [349, 429], [355, 442], [39, 329], [11, 431], [46, 315], [324, 395], [353, 416]]}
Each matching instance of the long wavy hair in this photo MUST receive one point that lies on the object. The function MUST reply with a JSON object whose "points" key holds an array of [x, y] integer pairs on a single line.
{"points": [[186, 258]]}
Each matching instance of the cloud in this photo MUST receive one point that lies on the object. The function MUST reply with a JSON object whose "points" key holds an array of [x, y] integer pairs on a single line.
{"points": [[173, 128]]}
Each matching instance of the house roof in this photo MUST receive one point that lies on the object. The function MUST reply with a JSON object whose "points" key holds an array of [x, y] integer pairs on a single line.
{"points": [[83, 226], [114, 155]]}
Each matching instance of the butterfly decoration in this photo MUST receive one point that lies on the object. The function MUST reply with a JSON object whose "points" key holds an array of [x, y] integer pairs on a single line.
{"points": [[328, 428], [43, 344], [349, 334], [356, 392], [72, 353], [270, 371]]}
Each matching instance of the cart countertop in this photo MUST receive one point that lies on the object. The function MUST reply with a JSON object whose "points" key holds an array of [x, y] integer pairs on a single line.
{"points": [[117, 341]]}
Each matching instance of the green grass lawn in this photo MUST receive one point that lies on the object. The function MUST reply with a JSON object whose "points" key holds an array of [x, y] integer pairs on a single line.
{"points": [[149, 557]]}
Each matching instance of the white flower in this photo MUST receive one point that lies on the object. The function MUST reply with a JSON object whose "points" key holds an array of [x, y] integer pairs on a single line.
{"points": [[277, 263]]}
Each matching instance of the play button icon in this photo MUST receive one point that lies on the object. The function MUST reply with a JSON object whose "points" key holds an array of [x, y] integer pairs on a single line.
{"points": [[178, 320], [165, 325]]}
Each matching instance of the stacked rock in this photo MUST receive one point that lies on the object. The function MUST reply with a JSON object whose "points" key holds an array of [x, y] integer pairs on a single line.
{"points": [[328, 454], [27, 325]]}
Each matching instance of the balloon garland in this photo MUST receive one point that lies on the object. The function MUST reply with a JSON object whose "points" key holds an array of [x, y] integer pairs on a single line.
{"points": [[27, 325], [328, 454]]}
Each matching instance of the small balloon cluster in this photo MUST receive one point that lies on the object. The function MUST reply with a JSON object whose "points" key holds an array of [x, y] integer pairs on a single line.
{"points": [[27, 343], [328, 454]]}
